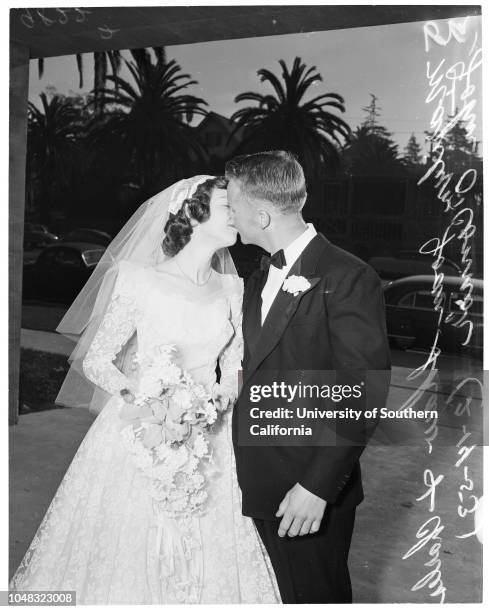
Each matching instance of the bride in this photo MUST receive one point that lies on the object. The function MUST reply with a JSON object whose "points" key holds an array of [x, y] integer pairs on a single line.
{"points": [[166, 279]]}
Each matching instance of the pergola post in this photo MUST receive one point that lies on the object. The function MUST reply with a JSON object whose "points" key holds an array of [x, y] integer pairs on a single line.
{"points": [[19, 87]]}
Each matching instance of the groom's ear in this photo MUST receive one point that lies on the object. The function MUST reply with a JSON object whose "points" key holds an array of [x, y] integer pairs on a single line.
{"points": [[264, 218]]}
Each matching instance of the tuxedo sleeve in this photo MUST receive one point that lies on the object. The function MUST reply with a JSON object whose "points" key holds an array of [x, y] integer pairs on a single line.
{"points": [[359, 342]]}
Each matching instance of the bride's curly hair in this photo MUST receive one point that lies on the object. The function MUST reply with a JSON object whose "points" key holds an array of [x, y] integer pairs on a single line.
{"points": [[178, 229]]}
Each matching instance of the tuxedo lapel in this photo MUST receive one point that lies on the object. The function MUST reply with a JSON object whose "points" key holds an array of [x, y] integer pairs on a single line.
{"points": [[285, 304], [252, 309]]}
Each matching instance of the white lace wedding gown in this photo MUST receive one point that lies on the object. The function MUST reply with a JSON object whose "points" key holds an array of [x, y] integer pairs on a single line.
{"points": [[100, 536]]}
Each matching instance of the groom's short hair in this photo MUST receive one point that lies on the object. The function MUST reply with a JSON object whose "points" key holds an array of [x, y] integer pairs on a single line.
{"points": [[273, 176]]}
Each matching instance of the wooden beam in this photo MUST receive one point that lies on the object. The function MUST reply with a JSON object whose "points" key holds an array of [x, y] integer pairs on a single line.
{"points": [[19, 86], [52, 31]]}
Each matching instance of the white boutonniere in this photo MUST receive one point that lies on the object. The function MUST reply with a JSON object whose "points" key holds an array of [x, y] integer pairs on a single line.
{"points": [[296, 284]]}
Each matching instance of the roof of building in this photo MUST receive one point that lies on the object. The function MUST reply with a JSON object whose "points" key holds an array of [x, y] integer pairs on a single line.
{"points": [[216, 119]]}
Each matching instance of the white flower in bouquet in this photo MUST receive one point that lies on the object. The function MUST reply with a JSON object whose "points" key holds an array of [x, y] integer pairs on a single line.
{"points": [[201, 446], [161, 488], [197, 480], [210, 412], [176, 432], [181, 401], [178, 458], [179, 504], [192, 464], [170, 373], [162, 476], [199, 498], [149, 386], [200, 392], [187, 379]]}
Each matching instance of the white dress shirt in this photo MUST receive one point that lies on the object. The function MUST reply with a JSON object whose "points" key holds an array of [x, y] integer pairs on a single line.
{"points": [[277, 276]]}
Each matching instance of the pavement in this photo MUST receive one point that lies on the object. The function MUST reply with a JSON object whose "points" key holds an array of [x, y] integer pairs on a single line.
{"points": [[48, 342], [407, 545]]}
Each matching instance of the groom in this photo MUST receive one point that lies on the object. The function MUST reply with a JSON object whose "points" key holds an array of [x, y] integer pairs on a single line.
{"points": [[302, 498]]}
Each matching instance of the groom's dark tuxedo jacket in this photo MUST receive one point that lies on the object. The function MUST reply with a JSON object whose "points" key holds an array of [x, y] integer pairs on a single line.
{"points": [[337, 323]]}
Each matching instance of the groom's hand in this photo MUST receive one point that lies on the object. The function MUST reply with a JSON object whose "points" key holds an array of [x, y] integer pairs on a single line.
{"points": [[302, 512]]}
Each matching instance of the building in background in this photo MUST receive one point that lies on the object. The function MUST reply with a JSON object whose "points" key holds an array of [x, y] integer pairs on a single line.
{"points": [[380, 215], [215, 133]]}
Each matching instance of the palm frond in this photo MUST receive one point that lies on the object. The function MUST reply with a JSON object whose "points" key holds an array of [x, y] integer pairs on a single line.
{"points": [[311, 129], [160, 53], [267, 75]]}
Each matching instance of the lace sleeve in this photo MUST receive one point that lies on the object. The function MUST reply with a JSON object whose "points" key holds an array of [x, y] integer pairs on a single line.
{"points": [[232, 355], [116, 328]]}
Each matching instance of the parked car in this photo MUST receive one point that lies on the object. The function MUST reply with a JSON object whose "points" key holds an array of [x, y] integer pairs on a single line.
{"points": [[92, 236], [408, 263], [60, 271], [417, 256], [34, 239], [412, 319], [36, 227]]}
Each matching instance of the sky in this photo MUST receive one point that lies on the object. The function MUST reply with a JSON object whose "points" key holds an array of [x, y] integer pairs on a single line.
{"points": [[388, 61]]}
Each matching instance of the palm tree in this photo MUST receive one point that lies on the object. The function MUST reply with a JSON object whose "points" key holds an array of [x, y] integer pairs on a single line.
{"points": [[147, 123], [283, 120], [53, 139], [101, 61]]}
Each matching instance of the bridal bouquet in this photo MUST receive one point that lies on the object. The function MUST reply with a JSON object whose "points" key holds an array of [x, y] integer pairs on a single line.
{"points": [[164, 428]]}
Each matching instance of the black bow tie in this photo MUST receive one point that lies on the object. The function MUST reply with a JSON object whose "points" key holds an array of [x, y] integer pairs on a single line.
{"points": [[277, 260]]}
